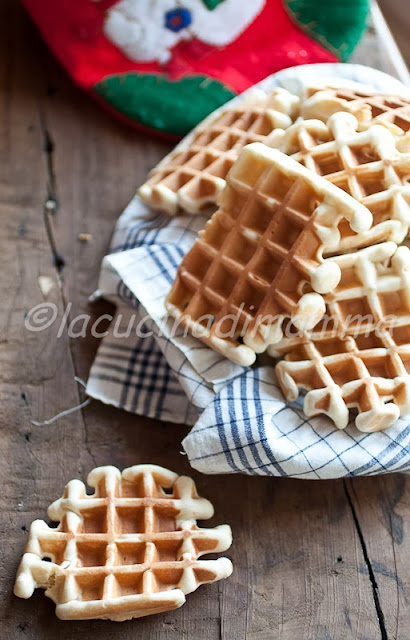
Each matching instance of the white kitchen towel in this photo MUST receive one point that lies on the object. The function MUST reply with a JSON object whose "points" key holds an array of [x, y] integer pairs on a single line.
{"points": [[241, 422]]}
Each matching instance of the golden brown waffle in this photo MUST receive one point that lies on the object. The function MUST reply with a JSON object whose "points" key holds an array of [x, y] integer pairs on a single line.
{"points": [[359, 354], [369, 108], [367, 165], [193, 175], [249, 266], [129, 550]]}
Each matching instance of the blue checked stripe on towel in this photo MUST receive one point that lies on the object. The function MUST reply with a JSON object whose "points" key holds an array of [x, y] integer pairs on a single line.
{"points": [[240, 420]]}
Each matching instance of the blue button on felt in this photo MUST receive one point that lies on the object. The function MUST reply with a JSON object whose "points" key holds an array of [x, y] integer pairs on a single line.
{"points": [[178, 19]]}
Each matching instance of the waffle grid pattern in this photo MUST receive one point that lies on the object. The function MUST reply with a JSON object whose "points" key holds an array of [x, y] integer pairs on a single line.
{"points": [[350, 363], [393, 111], [374, 286], [130, 549], [192, 177], [367, 165], [341, 374], [256, 252]]}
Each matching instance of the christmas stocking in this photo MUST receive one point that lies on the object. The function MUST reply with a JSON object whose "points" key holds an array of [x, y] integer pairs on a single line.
{"points": [[165, 64]]}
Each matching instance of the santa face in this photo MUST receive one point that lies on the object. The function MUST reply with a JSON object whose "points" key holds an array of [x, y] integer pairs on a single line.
{"points": [[146, 30]]}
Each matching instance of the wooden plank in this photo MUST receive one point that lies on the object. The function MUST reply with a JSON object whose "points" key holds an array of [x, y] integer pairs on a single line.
{"points": [[98, 164], [36, 368], [393, 58], [396, 13], [378, 48], [300, 571], [382, 508]]}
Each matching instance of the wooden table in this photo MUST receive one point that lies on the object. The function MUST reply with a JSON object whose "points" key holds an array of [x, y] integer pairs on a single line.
{"points": [[313, 560]]}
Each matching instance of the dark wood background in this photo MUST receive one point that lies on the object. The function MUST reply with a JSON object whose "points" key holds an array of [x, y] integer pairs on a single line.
{"points": [[397, 14], [313, 560]]}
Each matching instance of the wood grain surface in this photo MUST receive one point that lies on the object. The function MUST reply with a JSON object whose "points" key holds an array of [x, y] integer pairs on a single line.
{"points": [[397, 14], [313, 560]]}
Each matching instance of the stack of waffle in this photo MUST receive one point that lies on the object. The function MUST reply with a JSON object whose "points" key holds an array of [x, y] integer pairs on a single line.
{"points": [[302, 257]]}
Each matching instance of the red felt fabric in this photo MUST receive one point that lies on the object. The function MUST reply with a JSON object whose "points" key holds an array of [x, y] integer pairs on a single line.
{"points": [[73, 29]]}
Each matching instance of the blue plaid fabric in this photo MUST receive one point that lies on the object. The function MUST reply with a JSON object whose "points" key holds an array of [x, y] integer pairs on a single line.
{"points": [[240, 420]]}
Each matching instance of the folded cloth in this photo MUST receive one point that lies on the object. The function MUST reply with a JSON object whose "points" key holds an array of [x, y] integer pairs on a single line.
{"points": [[148, 365]]}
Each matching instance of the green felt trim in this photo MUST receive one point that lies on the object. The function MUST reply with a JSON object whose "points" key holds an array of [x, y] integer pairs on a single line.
{"points": [[158, 103], [336, 24], [212, 4]]}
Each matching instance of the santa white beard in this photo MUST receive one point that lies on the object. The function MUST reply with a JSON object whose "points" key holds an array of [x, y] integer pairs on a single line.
{"points": [[138, 27]]}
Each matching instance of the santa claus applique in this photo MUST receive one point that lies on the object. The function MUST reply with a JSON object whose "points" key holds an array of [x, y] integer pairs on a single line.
{"points": [[165, 64], [148, 30]]}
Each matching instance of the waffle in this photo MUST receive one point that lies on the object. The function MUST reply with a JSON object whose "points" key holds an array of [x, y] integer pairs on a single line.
{"points": [[367, 165], [247, 270], [369, 108], [129, 550], [359, 354], [193, 175]]}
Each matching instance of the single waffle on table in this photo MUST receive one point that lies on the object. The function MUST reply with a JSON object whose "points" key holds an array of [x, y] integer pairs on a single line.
{"points": [[129, 550], [358, 356], [259, 258], [192, 176], [368, 165], [368, 107]]}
